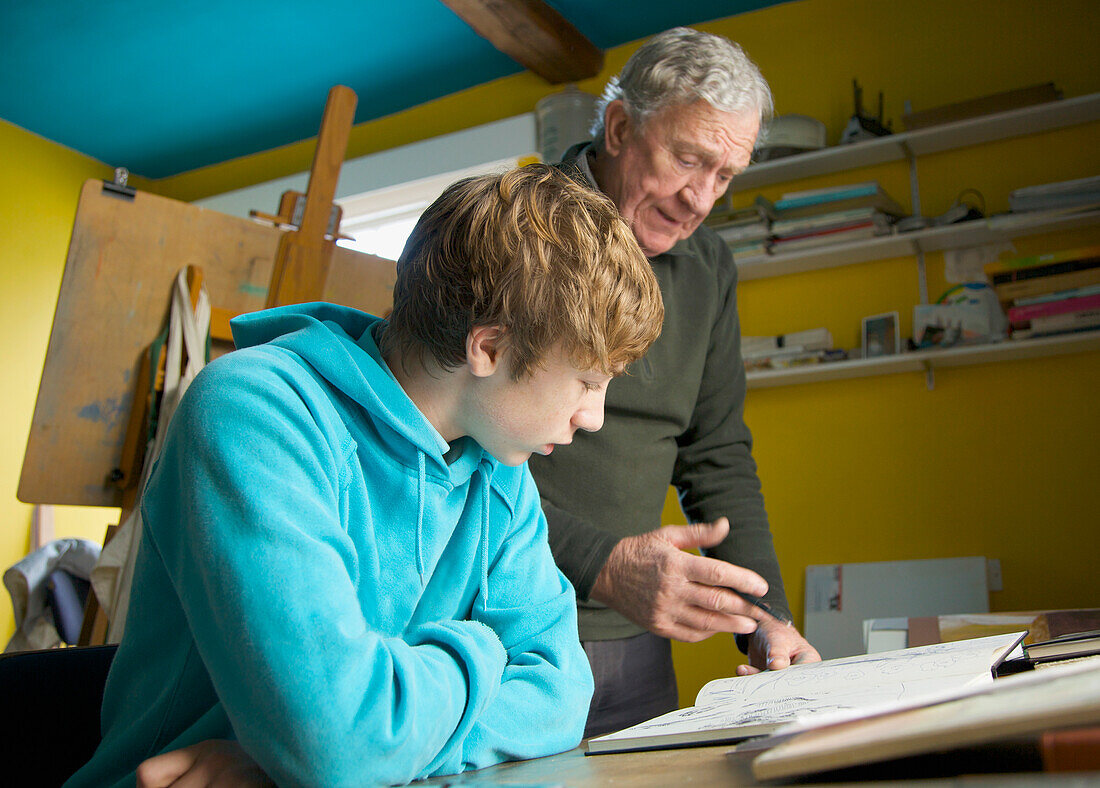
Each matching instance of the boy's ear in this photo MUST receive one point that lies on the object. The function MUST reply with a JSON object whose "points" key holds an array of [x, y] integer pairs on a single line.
{"points": [[616, 125], [484, 350]]}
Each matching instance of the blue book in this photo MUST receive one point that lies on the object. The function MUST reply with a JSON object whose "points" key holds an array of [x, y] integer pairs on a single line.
{"points": [[816, 197], [863, 195]]}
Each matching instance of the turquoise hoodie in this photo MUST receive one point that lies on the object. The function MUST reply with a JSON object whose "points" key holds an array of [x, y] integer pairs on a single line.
{"points": [[324, 579]]}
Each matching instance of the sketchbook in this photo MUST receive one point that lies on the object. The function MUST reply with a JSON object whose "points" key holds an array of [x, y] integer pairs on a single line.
{"points": [[741, 707], [1008, 710]]}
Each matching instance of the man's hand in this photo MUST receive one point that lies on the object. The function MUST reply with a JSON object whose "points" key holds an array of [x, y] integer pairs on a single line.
{"points": [[654, 583], [214, 763], [775, 645]]}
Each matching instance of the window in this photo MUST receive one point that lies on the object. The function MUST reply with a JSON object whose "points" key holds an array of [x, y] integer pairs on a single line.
{"points": [[381, 220]]}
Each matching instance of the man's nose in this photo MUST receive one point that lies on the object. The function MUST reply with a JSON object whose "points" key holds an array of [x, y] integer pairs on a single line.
{"points": [[700, 192]]}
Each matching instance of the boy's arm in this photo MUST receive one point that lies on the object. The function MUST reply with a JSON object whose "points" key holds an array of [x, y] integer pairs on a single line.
{"points": [[543, 699], [243, 511]]}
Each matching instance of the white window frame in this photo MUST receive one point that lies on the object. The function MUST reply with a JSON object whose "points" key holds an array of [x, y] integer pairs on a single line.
{"points": [[398, 179], [402, 204]]}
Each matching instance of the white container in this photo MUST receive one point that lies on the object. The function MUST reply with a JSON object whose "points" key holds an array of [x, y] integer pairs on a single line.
{"points": [[563, 119]]}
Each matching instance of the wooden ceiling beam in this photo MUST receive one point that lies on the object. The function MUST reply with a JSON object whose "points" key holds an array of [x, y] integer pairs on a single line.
{"points": [[534, 35]]}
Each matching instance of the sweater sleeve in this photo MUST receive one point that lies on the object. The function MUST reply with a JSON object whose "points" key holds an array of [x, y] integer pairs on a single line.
{"points": [[244, 512], [715, 473], [542, 703], [579, 548]]}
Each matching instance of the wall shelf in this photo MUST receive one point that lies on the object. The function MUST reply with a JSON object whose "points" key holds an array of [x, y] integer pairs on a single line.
{"points": [[884, 247], [904, 145], [925, 360], [908, 146]]}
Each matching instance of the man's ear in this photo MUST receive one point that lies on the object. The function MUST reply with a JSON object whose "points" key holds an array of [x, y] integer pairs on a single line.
{"points": [[616, 126], [484, 350]]}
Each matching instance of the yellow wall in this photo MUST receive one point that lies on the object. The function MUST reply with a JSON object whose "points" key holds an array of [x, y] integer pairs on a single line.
{"points": [[997, 460], [38, 187]]}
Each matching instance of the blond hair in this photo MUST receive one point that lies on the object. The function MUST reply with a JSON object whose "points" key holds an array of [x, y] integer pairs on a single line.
{"points": [[531, 251]]}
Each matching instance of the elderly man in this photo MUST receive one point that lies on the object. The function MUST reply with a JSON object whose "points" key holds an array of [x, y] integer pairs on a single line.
{"points": [[674, 129]]}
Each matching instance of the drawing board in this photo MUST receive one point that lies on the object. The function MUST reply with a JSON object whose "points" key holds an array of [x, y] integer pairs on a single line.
{"points": [[123, 257]]}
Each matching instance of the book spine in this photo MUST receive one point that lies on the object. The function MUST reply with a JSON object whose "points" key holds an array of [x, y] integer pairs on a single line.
{"points": [[881, 201], [1086, 318], [1046, 284], [825, 220], [817, 199], [814, 240], [1019, 313], [1000, 266], [1036, 272], [1057, 295], [871, 186], [824, 232]]}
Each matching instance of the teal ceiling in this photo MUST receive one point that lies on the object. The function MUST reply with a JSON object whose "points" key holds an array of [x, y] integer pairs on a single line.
{"points": [[166, 86]]}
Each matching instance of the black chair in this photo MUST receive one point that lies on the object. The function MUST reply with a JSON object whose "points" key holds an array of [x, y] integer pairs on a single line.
{"points": [[50, 721]]}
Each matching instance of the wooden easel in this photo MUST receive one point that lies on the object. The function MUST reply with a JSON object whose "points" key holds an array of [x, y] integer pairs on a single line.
{"points": [[305, 253], [310, 223], [86, 443]]}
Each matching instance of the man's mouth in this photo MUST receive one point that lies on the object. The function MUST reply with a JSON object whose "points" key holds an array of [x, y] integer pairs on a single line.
{"points": [[674, 222]]}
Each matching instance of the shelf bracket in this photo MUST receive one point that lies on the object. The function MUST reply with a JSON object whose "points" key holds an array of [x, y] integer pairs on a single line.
{"points": [[914, 198], [929, 374]]}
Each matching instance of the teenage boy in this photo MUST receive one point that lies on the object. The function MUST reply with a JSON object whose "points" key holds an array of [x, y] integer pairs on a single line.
{"points": [[344, 565]]}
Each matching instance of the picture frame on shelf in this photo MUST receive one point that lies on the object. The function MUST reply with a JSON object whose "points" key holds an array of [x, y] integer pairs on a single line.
{"points": [[881, 335]]}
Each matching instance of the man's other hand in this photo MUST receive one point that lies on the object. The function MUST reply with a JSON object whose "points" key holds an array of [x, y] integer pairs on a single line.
{"points": [[776, 645], [650, 580]]}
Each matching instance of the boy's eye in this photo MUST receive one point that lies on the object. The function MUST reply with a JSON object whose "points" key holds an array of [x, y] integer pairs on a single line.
{"points": [[588, 386]]}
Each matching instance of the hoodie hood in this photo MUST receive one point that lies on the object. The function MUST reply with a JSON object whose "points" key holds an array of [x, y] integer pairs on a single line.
{"points": [[340, 344]]}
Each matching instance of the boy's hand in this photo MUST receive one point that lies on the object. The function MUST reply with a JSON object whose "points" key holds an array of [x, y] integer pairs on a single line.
{"points": [[215, 763], [654, 583]]}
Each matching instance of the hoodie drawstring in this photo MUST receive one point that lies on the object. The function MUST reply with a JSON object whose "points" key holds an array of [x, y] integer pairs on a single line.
{"points": [[420, 514], [485, 469]]}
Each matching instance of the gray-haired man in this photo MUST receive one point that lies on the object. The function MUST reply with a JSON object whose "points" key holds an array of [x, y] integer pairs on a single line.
{"points": [[673, 130]]}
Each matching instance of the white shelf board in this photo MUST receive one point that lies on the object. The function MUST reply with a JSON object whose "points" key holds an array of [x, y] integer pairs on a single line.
{"points": [[895, 147], [933, 239], [920, 361]]}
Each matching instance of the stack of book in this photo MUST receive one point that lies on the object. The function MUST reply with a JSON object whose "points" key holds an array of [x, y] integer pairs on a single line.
{"points": [[1076, 195], [746, 230], [1063, 634], [808, 219], [1051, 293], [787, 350]]}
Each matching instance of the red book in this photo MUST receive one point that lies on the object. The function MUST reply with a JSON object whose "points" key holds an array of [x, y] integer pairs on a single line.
{"points": [[1018, 314]]}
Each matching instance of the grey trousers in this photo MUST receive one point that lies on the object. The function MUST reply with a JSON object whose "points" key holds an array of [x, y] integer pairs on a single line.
{"points": [[635, 682]]}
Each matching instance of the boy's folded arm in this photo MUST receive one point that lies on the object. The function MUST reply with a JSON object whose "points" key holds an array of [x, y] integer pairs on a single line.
{"points": [[261, 563], [543, 699]]}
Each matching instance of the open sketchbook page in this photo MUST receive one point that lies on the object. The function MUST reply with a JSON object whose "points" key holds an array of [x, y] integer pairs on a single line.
{"points": [[738, 707], [1025, 703]]}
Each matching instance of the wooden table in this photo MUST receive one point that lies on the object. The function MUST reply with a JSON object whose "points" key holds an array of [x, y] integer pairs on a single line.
{"points": [[698, 766]]}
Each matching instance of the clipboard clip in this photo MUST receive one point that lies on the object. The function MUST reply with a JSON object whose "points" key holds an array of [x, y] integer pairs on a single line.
{"points": [[118, 187]]}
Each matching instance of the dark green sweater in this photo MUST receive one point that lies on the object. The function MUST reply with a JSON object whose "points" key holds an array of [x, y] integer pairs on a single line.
{"points": [[675, 417]]}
